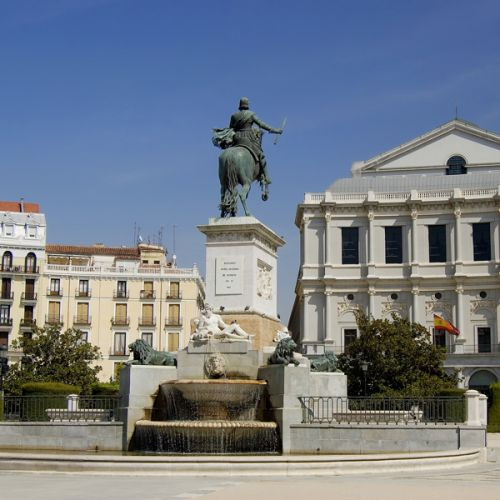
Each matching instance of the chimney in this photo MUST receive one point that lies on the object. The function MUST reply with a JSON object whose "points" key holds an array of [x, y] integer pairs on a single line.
{"points": [[21, 205]]}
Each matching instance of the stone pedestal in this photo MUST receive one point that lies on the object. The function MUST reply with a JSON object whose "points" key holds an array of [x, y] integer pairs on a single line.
{"points": [[138, 387], [241, 265]]}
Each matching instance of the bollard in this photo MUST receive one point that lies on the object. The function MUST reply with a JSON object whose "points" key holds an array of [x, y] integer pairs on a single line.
{"points": [[73, 401], [483, 409]]}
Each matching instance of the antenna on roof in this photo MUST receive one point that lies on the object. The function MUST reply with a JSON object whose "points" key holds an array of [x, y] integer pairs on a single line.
{"points": [[134, 241], [456, 112], [160, 236]]}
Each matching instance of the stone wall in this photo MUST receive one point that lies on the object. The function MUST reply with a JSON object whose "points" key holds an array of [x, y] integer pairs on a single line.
{"points": [[61, 436], [324, 439]]}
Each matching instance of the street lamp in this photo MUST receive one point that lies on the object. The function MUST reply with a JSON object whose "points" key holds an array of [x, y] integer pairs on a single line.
{"points": [[4, 367], [364, 367]]}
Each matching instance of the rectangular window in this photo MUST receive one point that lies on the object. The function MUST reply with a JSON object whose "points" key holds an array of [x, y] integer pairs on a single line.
{"points": [[350, 245], [83, 288], [119, 346], [4, 339], [439, 337], [174, 314], [4, 314], [31, 231], [437, 243], [148, 292], [121, 314], [8, 230], [148, 338], [350, 335], [28, 314], [29, 290], [484, 339], [121, 289], [54, 312], [84, 337], [481, 241], [173, 341], [147, 314], [393, 245], [6, 288], [55, 286], [82, 312], [174, 290]]}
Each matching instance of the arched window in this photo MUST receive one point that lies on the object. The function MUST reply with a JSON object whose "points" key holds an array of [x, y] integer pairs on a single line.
{"points": [[6, 261], [481, 380], [456, 166], [30, 263]]}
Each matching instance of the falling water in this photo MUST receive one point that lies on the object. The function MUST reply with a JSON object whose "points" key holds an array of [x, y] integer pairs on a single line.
{"points": [[207, 416]]}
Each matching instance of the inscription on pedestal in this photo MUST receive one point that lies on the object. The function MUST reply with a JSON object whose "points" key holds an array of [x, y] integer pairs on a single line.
{"points": [[228, 275]]}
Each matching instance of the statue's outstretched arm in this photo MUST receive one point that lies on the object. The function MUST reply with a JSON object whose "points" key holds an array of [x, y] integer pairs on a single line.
{"points": [[267, 127]]}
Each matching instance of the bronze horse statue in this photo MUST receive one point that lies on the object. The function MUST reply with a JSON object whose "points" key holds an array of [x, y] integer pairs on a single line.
{"points": [[238, 166]]}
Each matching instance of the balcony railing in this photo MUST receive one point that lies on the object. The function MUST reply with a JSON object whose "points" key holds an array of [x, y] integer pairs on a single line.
{"points": [[82, 320], [473, 349], [147, 321], [148, 294], [173, 322], [28, 296], [120, 321], [55, 293], [7, 296], [174, 296], [83, 293], [51, 319], [5, 321], [19, 269], [120, 294], [27, 323]]}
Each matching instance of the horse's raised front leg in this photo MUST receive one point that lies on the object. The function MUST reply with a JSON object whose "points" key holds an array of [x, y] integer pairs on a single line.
{"points": [[243, 197]]}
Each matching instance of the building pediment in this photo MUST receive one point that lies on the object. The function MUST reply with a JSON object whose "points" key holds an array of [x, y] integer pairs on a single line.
{"points": [[432, 150]]}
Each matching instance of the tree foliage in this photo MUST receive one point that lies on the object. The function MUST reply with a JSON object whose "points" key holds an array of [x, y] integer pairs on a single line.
{"points": [[54, 356], [402, 361]]}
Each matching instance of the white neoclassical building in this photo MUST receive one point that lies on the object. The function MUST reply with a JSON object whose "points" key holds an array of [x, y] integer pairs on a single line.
{"points": [[415, 231]]}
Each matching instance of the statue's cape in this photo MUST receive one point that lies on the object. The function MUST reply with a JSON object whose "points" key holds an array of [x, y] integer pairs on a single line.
{"points": [[223, 137]]}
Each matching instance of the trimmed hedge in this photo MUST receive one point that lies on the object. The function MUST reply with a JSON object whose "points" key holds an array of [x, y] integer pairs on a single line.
{"points": [[42, 388], [494, 411], [451, 393], [105, 389]]}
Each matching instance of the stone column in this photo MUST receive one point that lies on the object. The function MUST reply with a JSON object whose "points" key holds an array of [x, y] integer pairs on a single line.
{"points": [[371, 217], [472, 414], [328, 239], [371, 301], [414, 239], [306, 330], [329, 338], [414, 306], [460, 309], [305, 238], [458, 234], [483, 409]]}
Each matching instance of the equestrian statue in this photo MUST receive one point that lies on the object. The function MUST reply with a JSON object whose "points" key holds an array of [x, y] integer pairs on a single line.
{"points": [[242, 160]]}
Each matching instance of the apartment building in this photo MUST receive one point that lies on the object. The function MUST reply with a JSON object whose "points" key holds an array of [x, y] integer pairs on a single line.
{"points": [[415, 232], [114, 295]]}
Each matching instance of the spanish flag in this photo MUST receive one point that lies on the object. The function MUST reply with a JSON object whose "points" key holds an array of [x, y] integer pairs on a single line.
{"points": [[442, 324]]}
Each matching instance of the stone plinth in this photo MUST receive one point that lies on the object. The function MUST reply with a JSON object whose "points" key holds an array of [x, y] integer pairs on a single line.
{"points": [[241, 359], [241, 265]]}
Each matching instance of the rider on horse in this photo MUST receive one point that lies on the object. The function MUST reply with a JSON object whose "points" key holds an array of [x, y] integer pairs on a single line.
{"points": [[249, 137], [241, 133]]}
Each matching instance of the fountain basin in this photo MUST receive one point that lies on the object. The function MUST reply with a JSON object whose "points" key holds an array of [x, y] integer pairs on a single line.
{"points": [[207, 436], [221, 390]]}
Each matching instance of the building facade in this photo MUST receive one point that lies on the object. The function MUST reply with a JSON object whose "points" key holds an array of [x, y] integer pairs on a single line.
{"points": [[114, 295], [415, 232]]}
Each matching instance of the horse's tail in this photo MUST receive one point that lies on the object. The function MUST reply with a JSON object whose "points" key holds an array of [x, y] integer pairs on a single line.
{"points": [[228, 175]]}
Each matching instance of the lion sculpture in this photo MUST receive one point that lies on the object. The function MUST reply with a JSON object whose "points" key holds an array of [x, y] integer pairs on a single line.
{"points": [[144, 354], [283, 354], [326, 363]]}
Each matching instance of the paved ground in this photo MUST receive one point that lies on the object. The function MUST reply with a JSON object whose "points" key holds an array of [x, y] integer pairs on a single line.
{"points": [[480, 482], [474, 483]]}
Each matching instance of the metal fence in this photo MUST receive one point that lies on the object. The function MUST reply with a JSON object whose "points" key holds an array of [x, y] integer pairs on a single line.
{"points": [[399, 411], [61, 408]]}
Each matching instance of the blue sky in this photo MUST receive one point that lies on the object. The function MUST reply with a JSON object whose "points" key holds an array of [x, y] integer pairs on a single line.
{"points": [[107, 105]]}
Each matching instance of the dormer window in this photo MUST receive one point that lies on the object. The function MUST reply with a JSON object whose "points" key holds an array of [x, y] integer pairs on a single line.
{"points": [[456, 166]]}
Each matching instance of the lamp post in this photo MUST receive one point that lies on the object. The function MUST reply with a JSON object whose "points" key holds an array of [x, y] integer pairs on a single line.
{"points": [[364, 367], [3, 370]]}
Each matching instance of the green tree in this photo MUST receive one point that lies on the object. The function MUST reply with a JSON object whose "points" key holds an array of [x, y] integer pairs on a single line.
{"points": [[401, 360], [54, 356]]}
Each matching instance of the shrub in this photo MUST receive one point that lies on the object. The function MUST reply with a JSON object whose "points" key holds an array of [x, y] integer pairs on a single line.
{"points": [[105, 389], [42, 388], [451, 393], [494, 411]]}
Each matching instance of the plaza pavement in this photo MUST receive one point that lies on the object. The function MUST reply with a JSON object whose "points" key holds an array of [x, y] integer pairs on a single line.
{"points": [[478, 482]]}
